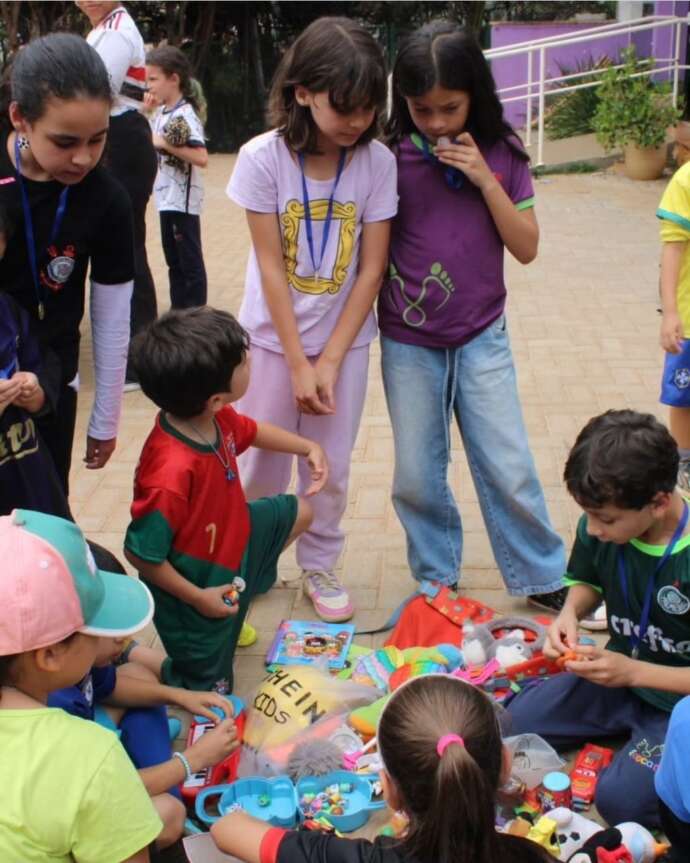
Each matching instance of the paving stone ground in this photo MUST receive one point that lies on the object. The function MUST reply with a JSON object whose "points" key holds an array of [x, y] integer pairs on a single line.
{"points": [[583, 325]]}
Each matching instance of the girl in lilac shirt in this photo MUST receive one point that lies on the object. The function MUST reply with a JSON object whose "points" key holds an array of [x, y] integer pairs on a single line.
{"points": [[319, 193], [465, 195]]}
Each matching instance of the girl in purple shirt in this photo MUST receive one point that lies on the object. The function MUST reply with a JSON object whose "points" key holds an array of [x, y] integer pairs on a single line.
{"points": [[465, 194]]}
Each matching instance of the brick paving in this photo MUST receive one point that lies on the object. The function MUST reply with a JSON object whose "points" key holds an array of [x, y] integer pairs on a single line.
{"points": [[584, 331]]}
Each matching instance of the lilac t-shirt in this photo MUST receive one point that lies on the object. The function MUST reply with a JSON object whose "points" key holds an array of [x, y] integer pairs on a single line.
{"points": [[267, 179], [445, 283]]}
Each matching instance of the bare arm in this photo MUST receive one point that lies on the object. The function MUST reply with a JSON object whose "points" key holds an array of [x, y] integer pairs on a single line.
{"points": [[240, 835], [207, 601], [265, 233], [373, 260], [194, 155], [274, 438], [671, 336]]}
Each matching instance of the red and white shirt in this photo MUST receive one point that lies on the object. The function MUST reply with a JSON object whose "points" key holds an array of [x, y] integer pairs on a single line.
{"points": [[120, 46]]}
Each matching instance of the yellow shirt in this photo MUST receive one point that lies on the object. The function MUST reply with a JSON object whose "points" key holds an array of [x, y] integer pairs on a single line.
{"points": [[674, 212], [69, 792]]}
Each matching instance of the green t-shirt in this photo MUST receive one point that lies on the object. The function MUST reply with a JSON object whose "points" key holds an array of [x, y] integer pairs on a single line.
{"points": [[69, 792], [667, 640]]}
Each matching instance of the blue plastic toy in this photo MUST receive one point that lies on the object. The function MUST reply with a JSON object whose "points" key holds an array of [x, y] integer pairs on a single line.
{"points": [[355, 791], [251, 795], [237, 707]]}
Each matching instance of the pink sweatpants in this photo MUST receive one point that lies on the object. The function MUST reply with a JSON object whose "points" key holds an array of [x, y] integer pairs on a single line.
{"points": [[270, 398]]}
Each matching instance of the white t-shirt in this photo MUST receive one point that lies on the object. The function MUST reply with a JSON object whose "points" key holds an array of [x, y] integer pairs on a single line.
{"points": [[267, 179], [120, 46], [179, 186]]}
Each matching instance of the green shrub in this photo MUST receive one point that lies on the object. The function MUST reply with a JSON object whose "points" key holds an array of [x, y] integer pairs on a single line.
{"points": [[572, 113], [633, 110]]}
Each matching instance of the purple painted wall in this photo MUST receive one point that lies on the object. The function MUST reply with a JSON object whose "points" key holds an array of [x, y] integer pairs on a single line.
{"points": [[511, 71]]}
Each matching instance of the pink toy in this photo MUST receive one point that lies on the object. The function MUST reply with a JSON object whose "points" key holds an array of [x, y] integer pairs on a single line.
{"points": [[475, 676]]}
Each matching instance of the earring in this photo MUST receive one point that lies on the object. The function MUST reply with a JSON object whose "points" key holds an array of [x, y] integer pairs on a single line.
{"points": [[22, 142]]}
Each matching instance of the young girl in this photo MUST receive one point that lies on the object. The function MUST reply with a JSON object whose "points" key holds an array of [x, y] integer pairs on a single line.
{"points": [[69, 214], [178, 190], [465, 195], [319, 193], [441, 745]]}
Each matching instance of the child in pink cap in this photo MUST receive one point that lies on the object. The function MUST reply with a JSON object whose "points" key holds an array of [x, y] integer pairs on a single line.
{"points": [[70, 792]]}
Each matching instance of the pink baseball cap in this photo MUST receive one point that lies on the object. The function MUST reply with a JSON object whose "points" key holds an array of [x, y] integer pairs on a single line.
{"points": [[51, 588]]}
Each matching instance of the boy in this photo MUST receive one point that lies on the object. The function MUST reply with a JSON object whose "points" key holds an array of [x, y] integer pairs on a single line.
{"points": [[633, 549], [69, 790], [674, 288], [202, 549]]}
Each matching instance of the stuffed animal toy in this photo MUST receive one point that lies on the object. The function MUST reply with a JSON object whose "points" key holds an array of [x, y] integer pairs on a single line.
{"points": [[605, 846], [177, 132], [640, 843], [572, 830], [480, 644]]}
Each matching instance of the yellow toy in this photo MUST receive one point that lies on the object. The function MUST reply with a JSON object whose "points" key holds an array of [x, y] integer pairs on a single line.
{"points": [[544, 834]]}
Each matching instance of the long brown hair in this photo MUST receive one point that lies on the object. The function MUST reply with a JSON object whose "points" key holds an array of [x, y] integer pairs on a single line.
{"points": [[333, 55], [449, 799]]}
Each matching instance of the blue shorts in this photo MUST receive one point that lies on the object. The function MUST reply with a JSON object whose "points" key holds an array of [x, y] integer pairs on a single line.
{"points": [[675, 379]]}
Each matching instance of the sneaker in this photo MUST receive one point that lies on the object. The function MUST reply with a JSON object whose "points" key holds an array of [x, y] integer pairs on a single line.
{"points": [[248, 635], [331, 600], [595, 620], [131, 386], [684, 475], [551, 602]]}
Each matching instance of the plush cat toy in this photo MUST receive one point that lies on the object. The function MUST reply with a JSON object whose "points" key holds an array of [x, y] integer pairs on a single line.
{"points": [[177, 132], [479, 644]]}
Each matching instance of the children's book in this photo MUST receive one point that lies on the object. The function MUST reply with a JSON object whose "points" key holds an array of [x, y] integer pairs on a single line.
{"points": [[306, 642]]}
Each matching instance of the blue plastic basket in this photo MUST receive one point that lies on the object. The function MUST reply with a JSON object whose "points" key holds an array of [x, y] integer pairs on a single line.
{"points": [[280, 812]]}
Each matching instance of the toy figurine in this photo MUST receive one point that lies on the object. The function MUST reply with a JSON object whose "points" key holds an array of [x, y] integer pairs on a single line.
{"points": [[640, 843], [605, 846], [572, 830], [544, 834]]}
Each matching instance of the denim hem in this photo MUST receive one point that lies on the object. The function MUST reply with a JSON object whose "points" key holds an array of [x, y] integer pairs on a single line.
{"points": [[534, 591]]}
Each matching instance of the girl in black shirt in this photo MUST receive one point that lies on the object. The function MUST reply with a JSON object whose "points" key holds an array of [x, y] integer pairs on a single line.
{"points": [[444, 762], [69, 215]]}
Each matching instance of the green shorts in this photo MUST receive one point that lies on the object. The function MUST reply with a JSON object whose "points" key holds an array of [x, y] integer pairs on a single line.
{"points": [[201, 649]]}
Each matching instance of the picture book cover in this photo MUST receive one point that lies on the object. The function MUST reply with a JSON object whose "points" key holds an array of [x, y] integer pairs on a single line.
{"points": [[306, 642]]}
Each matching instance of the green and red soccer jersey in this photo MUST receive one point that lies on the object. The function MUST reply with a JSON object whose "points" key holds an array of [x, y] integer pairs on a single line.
{"points": [[188, 507]]}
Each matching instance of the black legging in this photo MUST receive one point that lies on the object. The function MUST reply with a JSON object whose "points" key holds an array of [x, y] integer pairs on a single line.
{"points": [[677, 833], [131, 158]]}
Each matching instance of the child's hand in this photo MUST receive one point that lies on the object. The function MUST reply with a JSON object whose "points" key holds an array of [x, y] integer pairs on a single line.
{"points": [[466, 156], [326, 378], [561, 636], [29, 389], [201, 703], [604, 667], [210, 602], [214, 746], [316, 459], [159, 142], [671, 337], [9, 392], [305, 388], [150, 102], [98, 452]]}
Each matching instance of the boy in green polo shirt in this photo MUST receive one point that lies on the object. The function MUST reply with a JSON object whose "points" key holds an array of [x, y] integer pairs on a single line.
{"points": [[632, 549]]}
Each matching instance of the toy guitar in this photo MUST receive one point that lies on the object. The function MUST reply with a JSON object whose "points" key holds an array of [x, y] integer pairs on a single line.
{"points": [[225, 770]]}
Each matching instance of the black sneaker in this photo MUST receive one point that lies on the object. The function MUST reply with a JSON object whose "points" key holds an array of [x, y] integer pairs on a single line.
{"points": [[552, 602]]}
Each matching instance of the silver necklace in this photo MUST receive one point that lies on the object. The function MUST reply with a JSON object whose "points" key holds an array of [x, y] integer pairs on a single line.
{"points": [[227, 461]]}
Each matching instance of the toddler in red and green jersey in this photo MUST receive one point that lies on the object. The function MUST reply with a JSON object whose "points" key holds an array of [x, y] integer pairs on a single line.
{"points": [[202, 549]]}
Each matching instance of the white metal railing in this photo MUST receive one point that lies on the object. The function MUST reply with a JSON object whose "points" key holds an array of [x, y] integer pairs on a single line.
{"points": [[538, 85]]}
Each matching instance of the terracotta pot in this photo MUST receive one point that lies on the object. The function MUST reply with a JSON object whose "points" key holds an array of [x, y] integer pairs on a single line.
{"points": [[644, 164]]}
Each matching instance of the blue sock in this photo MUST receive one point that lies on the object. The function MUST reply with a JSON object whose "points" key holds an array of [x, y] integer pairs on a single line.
{"points": [[146, 738]]}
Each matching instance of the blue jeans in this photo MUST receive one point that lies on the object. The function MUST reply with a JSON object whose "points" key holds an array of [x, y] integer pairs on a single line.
{"points": [[476, 382]]}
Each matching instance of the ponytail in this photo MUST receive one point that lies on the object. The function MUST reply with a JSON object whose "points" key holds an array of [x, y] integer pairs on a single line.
{"points": [[173, 61], [440, 742]]}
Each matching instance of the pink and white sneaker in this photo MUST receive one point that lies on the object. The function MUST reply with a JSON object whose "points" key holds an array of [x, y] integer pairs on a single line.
{"points": [[331, 601]]}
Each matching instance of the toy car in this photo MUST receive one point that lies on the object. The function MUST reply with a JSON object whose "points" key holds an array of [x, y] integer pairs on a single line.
{"points": [[585, 773]]}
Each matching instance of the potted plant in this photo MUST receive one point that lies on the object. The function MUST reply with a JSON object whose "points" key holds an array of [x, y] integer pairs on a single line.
{"points": [[634, 113]]}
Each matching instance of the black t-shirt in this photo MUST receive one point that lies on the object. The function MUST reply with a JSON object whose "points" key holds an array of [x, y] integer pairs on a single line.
{"points": [[304, 846], [96, 228]]}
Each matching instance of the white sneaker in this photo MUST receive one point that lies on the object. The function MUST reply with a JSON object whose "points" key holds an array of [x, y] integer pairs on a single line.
{"points": [[331, 600], [595, 620]]}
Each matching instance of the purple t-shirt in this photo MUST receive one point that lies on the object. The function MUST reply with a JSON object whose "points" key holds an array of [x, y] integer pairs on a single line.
{"points": [[445, 283]]}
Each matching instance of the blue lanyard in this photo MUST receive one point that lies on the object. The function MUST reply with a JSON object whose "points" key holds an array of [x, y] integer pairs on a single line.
{"points": [[329, 211], [454, 177], [29, 229], [636, 640]]}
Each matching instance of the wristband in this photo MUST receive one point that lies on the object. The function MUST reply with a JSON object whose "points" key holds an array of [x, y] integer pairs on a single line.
{"points": [[187, 769]]}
